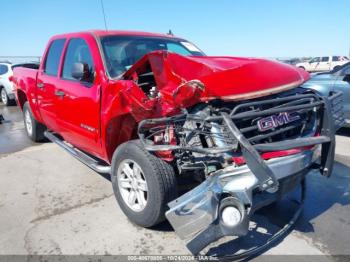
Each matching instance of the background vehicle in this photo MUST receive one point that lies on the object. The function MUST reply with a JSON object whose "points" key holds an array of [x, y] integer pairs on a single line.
{"points": [[324, 63], [6, 85], [335, 80], [152, 110]]}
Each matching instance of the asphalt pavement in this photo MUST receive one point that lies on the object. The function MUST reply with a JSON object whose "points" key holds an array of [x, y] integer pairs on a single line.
{"points": [[52, 204]]}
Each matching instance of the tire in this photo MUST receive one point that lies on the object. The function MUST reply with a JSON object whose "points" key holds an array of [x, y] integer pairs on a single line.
{"points": [[301, 67], [34, 129], [158, 175], [5, 99]]}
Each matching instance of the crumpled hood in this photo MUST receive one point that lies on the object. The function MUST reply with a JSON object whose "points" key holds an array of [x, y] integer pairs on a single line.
{"points": [[228, 78], [184, 81]]}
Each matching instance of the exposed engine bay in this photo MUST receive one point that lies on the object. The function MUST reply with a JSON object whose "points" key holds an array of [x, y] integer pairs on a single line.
{"points": [[199, 141]]}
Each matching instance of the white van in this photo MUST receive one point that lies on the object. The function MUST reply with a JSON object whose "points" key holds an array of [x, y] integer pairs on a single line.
{"points": [[323, 63]]}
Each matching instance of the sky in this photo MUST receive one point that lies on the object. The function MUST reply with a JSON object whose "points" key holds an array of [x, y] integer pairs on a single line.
{"points": [[269, 28]]}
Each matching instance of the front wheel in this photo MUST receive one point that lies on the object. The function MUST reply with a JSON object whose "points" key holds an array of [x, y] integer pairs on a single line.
{"points": [[142, 183]]}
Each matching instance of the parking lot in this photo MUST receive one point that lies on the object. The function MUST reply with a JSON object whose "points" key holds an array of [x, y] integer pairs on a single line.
{"points": [[52, 204]]}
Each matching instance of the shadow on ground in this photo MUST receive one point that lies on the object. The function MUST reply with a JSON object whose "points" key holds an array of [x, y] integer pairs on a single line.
{"points": [[13, 137], [343, 131]]}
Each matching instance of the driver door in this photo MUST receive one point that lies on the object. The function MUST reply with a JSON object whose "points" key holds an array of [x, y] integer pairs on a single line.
{"points": [[79, 100]]}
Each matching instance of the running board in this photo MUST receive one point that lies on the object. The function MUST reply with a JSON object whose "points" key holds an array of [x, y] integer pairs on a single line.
{"points": [[81, 156]]}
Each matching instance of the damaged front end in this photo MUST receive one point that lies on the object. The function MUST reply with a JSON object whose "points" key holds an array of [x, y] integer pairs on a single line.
{"points": [[246, 155]]}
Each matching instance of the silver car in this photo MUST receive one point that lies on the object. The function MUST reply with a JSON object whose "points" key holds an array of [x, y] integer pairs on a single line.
{"points": [[335, 80], [6, 86]]}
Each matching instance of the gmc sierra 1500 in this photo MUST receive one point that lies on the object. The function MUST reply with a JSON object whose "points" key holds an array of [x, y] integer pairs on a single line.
{"points": [[153, 111]]}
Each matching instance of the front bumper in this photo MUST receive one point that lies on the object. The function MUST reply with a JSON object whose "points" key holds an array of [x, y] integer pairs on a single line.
{"points": [[195, 216]]}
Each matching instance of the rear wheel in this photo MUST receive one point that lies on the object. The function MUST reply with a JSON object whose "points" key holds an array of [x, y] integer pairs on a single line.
{"points": [[34, 129], [143, 184]]}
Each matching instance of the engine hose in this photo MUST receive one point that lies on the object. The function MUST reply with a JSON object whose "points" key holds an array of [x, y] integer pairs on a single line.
{"points": [[254, 252]]}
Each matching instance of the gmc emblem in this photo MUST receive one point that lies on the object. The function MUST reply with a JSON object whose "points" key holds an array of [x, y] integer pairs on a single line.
{"points": [[274, 121]]}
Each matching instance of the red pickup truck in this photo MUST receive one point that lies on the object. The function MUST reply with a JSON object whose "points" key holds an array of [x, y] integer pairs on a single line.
{"points": [[202, 141]]}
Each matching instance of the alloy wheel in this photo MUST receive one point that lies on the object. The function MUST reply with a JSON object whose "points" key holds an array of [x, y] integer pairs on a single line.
{"points": [[4, 96], [132, 185], [28, 122]]}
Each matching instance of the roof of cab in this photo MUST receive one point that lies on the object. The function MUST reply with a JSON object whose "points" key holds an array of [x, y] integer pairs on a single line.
{"points": [[101, 33], [131, 33]]}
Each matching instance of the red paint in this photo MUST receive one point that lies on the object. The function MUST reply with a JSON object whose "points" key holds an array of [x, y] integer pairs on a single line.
{"points": [[240, 160], [113, 108], [268, 155]]}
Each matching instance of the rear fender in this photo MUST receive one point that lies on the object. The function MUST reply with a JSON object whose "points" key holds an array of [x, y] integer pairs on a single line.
{"points": [[26, 92]]}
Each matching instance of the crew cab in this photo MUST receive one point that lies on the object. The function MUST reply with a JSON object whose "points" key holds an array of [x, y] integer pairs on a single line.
{"points": [[202, 141], [324, 63]]}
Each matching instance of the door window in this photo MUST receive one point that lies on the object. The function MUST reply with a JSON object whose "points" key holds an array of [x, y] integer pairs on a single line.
{"points": [[336, 58], [53, 56], [315, 60], [325, 59], [77, 52], [179, 49]]}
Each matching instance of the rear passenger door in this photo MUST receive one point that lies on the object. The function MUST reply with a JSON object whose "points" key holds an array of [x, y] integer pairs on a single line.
{"points": [[79, 100], [47, 84], [314, 64]]}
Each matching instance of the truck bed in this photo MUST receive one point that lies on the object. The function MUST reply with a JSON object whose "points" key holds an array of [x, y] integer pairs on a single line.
{"points": [[25, 77], [25, 87]]}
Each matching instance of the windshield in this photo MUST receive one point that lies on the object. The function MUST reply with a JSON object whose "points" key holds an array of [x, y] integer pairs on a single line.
{"points": [[121, 52]]}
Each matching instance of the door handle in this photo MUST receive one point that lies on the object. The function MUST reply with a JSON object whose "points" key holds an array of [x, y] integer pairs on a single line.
{"points": [[40, 85], [59, 93]]}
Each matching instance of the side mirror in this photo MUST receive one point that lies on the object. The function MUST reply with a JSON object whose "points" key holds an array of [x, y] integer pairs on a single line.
{"points": [[81, 71]]}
